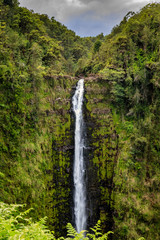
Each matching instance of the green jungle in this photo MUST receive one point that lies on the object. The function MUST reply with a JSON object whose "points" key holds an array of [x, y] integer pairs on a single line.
{"points": [[40, 64]]}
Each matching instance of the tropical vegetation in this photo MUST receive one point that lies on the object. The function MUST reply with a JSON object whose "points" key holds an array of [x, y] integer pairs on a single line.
{"points": [[40, 63]]}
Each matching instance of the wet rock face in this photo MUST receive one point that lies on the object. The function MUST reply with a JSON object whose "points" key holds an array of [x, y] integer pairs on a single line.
{"points": [[38, 161], [62, 181], [100, 154], [62, 157]]}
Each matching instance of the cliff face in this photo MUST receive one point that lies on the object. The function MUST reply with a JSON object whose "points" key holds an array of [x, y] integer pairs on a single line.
{"points": [[121, 155], [37, 149], [101, 154], [122, 158], [62, 149]]}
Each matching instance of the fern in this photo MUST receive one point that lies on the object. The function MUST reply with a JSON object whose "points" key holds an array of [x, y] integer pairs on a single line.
{"points": [[98, 232], [71, 231], [105, 236], [97, 229], [96, 235], [15, 225]]}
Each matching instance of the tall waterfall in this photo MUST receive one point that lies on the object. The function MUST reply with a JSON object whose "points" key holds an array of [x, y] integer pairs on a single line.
{"points": [[79, 166]]}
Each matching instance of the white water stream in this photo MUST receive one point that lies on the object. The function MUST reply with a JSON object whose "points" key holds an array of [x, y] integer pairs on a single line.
{"points": [[79, 167]]}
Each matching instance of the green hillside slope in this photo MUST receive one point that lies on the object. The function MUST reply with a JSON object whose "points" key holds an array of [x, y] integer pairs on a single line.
{"points": [[128, 60]]}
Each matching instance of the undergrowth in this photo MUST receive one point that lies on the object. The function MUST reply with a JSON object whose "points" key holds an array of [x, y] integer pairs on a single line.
{"points": [[16, 225]]}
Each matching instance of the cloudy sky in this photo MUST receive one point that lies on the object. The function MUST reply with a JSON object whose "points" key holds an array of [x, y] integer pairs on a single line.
{"points": [[86, 17]]}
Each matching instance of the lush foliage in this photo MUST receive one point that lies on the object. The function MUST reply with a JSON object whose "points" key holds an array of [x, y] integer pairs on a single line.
{"points": [[35, 119], [122, 104], [36, 55], [128, 61], [15, 224]]}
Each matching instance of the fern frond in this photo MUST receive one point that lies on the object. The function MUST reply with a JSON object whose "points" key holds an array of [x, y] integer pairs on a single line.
{"points": [[91, 236], [62, 238], [93, 229], [105, 236], [71, 231], [97, 230]]}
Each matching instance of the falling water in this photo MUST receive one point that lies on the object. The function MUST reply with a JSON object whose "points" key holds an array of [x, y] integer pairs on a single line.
{"points": [[79, 167]]}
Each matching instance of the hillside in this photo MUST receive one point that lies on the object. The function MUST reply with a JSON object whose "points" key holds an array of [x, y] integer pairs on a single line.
{"points": [[35, 107], [128, 61]]}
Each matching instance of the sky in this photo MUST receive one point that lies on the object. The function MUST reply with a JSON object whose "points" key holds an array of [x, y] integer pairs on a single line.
{"points": [[86, 17]]}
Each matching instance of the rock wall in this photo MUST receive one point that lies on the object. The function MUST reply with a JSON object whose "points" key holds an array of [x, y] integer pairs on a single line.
{"points": [[101, 153], [37, 149]]}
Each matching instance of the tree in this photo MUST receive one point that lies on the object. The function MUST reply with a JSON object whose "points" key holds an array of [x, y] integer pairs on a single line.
{"points": [[97, 46], [11, 3]]}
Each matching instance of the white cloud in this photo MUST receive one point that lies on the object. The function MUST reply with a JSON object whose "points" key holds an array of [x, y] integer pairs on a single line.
{"points": [[75, 3], [68, 11]]}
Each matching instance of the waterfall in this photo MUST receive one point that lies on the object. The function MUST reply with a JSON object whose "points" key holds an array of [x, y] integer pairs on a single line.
{"points": [[79, 166]]}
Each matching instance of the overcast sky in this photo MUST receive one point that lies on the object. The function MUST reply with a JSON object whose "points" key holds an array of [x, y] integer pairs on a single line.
{"points": [[86, 17]]}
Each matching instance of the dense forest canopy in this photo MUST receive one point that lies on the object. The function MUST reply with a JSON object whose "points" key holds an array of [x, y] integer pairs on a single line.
{"points": [[39, 61]]}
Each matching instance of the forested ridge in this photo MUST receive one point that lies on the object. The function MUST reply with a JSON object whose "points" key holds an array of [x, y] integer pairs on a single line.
{"points": [[40, 62]]}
